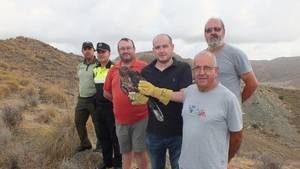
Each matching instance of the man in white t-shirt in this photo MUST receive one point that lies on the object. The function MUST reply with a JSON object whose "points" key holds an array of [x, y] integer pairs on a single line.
{"points": [[212, 118]]}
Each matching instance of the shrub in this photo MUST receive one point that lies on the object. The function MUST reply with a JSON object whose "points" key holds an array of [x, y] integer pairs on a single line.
{"points": [[269, 162], [12, 115]]}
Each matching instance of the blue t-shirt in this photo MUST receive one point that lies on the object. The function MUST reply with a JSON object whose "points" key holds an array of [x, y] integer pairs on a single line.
{"points": [[232, 63]]}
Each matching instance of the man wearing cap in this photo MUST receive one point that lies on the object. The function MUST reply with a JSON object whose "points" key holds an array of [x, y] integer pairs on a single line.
{"points": [[104, 118], [87, 90]]}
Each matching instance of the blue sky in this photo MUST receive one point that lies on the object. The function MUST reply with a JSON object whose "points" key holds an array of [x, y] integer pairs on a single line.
{"points": [[263, 29]]}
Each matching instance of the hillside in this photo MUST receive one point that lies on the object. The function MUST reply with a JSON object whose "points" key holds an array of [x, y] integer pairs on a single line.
{"points": [[282, 72], [38, 90], [32, 58]]}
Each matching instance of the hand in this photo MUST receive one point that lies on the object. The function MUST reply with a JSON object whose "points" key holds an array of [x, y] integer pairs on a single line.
{"points": [[229, 166], [137, 98], [162, 94], [146, 88]]}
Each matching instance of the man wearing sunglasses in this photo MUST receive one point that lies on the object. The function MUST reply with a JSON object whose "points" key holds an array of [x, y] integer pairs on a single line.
{"points": [[86, 99], [233, 63]]}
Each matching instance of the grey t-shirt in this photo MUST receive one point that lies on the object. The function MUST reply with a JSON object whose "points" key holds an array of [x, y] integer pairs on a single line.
{"points": [[207, 119], [232, 64]]}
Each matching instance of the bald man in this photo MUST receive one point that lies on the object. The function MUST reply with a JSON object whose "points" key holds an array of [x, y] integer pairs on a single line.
{"points": [[212, 118], [165, 71]]}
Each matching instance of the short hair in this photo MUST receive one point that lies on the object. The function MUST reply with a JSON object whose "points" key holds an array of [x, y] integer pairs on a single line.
{"points": [[164, 34], [128, 40], [207, 52], [220, 20]]}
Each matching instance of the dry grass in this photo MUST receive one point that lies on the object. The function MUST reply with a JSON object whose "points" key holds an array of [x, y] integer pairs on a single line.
{"points": [[53, 94], [61, 141], [12, 83]]}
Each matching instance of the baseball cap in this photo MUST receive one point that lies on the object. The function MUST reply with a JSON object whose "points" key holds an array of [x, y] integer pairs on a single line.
{"points": [[102, 46], [87, 44]]}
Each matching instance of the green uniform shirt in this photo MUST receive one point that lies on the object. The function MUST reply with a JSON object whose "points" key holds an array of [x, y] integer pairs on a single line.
{"points": [[86, 80]]}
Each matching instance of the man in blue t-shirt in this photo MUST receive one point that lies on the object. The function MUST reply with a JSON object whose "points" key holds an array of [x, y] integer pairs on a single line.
{"points": [[234, 65]]}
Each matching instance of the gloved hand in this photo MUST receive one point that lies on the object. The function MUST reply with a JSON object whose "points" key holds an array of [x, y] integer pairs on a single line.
{"points": [[162, 94], [137, 98]]}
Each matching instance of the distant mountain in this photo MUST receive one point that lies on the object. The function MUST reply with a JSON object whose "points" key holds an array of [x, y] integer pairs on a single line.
{"points": [[283, 72]]}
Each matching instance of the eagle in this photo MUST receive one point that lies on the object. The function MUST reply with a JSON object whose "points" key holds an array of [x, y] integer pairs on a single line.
{"points": [[129, 83]]}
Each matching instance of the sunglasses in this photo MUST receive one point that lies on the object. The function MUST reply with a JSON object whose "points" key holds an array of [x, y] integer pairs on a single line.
{"points": [[216, 29]]}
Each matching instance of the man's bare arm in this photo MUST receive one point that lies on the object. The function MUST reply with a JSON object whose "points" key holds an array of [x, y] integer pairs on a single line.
{"points": [[234, 143], [177, 96], [107, 95], [250, 85]]}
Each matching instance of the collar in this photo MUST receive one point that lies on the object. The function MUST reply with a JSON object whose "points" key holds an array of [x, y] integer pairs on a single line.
{"points": [[94, 61], [175, 63], [108, 65]]}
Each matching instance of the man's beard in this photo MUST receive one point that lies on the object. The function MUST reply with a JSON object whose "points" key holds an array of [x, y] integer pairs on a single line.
{"points": [[127, 59], [215, 41]]}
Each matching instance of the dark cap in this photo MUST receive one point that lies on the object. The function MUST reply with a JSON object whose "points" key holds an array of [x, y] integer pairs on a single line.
{"points": [[87, 44], [102, 46]]}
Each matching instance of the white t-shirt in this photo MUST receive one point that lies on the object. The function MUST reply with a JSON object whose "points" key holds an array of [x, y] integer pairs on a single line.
{"points": [[207, 119]]}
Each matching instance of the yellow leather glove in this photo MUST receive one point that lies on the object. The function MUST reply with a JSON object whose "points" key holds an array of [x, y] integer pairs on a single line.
{"points": [[137, 98], [162, 94]]}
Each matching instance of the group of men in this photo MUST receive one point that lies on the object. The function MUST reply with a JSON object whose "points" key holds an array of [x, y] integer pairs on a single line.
{"points": [[202, 121]]}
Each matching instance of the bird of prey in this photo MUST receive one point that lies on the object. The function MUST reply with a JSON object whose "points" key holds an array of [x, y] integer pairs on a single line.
{"points": [[129, 83]]}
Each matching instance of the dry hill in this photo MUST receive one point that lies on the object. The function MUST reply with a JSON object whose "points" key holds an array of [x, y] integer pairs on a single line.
{"points": [[38, 90]]}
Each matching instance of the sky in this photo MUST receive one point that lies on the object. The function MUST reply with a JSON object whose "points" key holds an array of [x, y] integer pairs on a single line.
{"points": [[263, 29]]}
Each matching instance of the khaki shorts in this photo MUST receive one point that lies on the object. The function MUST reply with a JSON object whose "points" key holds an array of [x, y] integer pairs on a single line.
{"points": [[132, 137]]}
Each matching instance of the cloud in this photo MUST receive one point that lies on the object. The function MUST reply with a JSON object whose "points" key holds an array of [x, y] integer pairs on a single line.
{"points": [[256, 26]]}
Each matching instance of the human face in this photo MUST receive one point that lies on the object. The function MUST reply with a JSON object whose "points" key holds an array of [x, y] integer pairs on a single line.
{"points": [[205, 72], [126, 51], [214, 33], [162, 49], [103, 55], [88, 53]]}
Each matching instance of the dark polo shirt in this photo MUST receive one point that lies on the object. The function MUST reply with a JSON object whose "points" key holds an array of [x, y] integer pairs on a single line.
{"points": [[175, 77]]}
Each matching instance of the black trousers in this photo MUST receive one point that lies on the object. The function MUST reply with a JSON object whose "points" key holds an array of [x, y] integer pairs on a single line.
{"points": [[105, 124], [84, 108]]}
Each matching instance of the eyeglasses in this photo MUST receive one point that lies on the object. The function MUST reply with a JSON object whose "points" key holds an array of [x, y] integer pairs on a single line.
{"points": [[216, 29], [125, 48], [206, 69]]}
